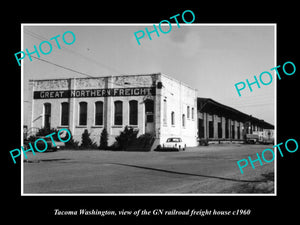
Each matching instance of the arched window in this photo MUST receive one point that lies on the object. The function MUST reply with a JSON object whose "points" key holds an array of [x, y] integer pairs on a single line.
{"points": [[172, 118], [133, 112], [47, 115], [82, 113], [64, 114], [183, 120], [99, 113], [118, 113], [188, 112]]}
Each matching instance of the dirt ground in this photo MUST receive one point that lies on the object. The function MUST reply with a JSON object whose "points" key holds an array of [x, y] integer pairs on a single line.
{"points": [[199, 170]]}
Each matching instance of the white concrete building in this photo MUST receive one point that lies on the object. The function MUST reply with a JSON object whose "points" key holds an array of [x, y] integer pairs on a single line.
{"points": [[152, 103]]}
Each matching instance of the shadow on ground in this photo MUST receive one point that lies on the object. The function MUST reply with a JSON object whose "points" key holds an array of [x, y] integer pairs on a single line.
{"points": [[265, 177]]}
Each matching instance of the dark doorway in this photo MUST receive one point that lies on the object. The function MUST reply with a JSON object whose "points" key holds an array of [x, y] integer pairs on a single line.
{"points": [[200, 128], [149, 111], [226, 128], [211, 129], [219, 130]]}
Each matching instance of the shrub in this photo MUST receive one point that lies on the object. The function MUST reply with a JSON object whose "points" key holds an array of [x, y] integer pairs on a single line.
{"points": [[126, 137], [86, 141], [145, 140], [42, 132], [71, 144], [103, 139]]}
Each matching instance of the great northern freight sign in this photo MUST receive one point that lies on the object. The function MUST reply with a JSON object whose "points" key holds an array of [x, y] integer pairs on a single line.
{"points": [[89, 93]]}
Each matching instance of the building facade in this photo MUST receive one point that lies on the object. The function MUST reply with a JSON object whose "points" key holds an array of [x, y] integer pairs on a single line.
{"points": [[152, 103], [218, 122]]}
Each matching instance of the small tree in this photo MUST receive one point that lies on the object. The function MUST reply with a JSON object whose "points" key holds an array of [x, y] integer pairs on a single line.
{"points": [[72, 144], [103, 139], [86, 141], [126, 137]]}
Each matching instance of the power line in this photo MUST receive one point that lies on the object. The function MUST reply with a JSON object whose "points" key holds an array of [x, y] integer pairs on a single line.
{"points": [[251, 105], [66, 68], [35, 35]]}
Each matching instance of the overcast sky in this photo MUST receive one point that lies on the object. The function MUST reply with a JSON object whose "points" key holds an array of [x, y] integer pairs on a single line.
{"points": [[210, 58]]}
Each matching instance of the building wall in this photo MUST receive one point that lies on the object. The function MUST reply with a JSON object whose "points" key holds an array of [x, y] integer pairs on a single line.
{"points": [[233, 127], [178, 98], [36, 112]]}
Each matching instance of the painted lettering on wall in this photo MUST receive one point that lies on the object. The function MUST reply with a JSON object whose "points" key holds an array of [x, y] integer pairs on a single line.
{"points": [[88, 93]]}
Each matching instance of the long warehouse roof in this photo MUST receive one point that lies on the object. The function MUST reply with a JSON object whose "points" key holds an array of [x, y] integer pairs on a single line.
{"points": [[211, 106]]}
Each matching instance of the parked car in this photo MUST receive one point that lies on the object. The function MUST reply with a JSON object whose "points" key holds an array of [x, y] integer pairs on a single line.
{"points": [[174, 143], [251, 138], [41, 145], [51, 147]]}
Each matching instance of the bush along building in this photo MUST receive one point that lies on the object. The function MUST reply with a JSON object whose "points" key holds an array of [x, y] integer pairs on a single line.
{"points": [[155, 105]]}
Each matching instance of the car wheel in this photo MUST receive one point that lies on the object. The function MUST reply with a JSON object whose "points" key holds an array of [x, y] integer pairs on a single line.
{"points": [[158, 147]]}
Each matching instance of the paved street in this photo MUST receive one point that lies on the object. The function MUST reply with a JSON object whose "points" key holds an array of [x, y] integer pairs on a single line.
{"points": [[200, 170]]}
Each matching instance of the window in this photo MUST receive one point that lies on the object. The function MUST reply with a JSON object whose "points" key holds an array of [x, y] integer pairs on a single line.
{"points": [[64, 114], [133, 112], [188, 112], [118, 113], [47, 115], [82, 113], [183, 120], [165, 112], [192, 113], [99, 113], [172, 118], [174, 140]]}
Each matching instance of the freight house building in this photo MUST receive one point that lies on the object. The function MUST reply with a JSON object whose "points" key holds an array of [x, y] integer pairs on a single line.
{"points": [[152, 103]]}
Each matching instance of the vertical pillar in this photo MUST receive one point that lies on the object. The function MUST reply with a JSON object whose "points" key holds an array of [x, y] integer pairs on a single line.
{"points": [[158, 109], [157, 113], [230, 128], [241, 130], [235, 129], [31, 104], [215, 125], [108, 107], [223, 127], [72, 107], [205, 124]]}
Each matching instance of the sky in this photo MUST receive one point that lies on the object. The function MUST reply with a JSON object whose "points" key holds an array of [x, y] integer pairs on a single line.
{"points": [[211, 58]]}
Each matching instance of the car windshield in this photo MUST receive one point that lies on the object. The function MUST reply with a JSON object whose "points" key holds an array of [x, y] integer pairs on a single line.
{"points": [[173, 140]]}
